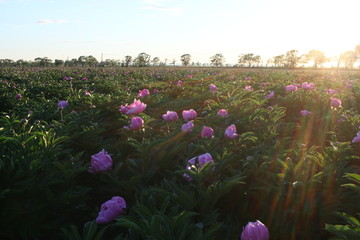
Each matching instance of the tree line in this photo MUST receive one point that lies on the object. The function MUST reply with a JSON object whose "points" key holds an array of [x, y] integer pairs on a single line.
{"points": [[290, 59]]}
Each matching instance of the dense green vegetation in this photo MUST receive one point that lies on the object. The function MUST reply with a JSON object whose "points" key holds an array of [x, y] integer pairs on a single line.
{"points": [[297, 174]]}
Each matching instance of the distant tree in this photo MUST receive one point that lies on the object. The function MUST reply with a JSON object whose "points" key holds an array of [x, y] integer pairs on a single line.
{"points": [[357, 52], [317, 57], [348, 58], [173, 62], [217, 60], [81, 61], [279, 61], [21, 63], [58, 62], [128, 60], [91, 61], [256, 60], [185, 59], [110, 63], [71, 63], [6, 62], [249, 58], [43, 62], [142, 60], [292, 58], [243, 59], [165, 62], [155, 61]]}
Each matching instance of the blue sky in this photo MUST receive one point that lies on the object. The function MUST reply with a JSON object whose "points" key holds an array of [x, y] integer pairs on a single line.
{"points": [[168, 28]]}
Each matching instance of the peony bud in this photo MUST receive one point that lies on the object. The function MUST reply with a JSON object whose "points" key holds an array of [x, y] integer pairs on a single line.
{"points": [[255, 231], [187, 127], [100, 162], [335, 103], [189, 114], [136, 123], [207, 132], [170, 116], [111, 209], [63, 104], [223, 113], [230, 132]]}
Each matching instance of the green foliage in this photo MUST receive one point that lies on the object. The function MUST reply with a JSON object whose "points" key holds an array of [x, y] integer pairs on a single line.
{"points": [[351, 230], [283, 168], [90, 232]]}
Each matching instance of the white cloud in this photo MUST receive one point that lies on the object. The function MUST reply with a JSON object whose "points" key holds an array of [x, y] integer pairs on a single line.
{"points": [[154, 2], [50, 21], [157, 5]]}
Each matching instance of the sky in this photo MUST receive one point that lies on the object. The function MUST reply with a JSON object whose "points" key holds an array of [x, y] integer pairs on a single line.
{"points": [[167, 29]]}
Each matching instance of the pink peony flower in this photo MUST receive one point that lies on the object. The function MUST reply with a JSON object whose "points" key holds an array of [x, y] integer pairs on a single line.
{"points": [[143, 93], [135, 108], [249, 88], [213, 88], [223, 113], [330, 91], [187, 127], [335, 103], [357, 138], [111, 209], [18, 96], [136, 123], [63, 104], [272, 94], [230, 132], [291, 88], [189, 114], [86, 93], [198, 162], [305, 113], [255, 231], [179, 83], [207, 132], [170, 116], [100, 162], [155, 91], [307, 86]]}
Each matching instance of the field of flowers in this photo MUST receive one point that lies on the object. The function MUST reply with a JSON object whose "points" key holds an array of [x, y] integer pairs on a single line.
{"points": [[179, 153]]}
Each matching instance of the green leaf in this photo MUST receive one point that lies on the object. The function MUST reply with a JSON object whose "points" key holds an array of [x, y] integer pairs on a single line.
{"points": [[89, 230], [130, 223], [353, 176]]}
